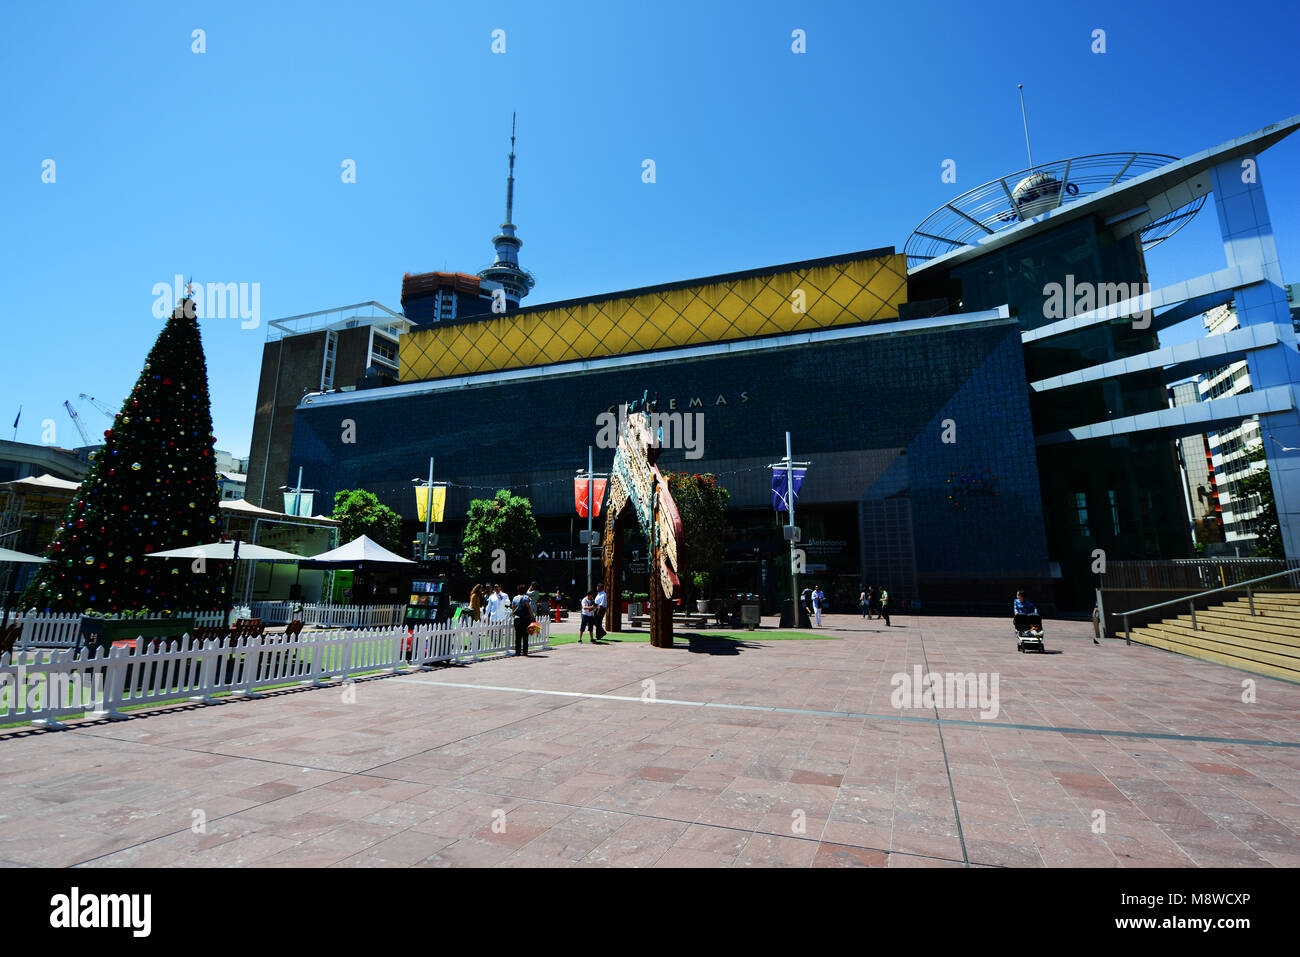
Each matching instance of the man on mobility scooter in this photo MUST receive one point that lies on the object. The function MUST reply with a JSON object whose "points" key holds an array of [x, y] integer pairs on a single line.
{"points": [[1028, 622]]}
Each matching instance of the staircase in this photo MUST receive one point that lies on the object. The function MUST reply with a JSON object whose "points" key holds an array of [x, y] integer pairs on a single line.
{"points": [[1267, 643]]}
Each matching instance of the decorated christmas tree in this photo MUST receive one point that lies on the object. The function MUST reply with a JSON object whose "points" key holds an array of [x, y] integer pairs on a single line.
{"points": [[152, 486]]}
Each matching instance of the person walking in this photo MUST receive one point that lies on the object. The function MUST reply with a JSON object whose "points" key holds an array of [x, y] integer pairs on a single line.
{"points": [[805, 603], [524, 616], [1096, 624], [884, 604], [602, 603], [588, 617], [476, 601], [864, 601], [818, 600]]}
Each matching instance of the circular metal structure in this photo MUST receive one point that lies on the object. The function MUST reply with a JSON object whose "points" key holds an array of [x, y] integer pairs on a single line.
{"points": [[1018, 197]]}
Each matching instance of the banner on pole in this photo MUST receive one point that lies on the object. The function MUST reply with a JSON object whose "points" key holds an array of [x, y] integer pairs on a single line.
{"points": [[779, 502], [439, 499], [580, 495], [298, 503]]}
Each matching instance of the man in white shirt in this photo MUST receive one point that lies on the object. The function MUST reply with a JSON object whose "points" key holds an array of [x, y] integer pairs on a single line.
{"points": [[497, 604], [818, 599], [602, 606]]}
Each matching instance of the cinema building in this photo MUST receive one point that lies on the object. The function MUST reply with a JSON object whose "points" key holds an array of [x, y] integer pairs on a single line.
{"points": [[982, 412]]}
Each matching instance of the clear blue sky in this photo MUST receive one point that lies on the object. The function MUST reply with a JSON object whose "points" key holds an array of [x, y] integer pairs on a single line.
{"points": [[226, 165]]}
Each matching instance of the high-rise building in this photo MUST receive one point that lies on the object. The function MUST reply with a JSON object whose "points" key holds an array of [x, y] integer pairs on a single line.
{"points": [[1232, 448], [1202, 495], [316, 352]]}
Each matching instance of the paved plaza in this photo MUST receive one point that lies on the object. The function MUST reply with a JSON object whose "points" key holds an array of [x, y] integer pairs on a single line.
{"points": [[761, 752]]}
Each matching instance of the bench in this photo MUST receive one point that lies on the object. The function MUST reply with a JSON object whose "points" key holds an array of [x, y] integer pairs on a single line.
{"points": [[683, 620]]}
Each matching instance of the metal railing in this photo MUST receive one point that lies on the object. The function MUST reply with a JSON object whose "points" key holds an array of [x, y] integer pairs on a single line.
{"points": [[1191, 599]]}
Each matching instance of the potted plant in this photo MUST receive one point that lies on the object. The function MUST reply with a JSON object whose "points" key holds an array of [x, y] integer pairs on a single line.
{"points": [[701, 582]]}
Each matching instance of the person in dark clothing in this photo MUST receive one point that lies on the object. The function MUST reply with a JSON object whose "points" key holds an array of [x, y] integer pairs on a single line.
{"points": [[523, 614]]}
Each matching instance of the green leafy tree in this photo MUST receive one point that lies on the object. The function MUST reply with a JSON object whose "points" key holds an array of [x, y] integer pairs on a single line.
{"points": [[504, 522], [1258, 483], [151, 487], [361, 513], [702, 505]]}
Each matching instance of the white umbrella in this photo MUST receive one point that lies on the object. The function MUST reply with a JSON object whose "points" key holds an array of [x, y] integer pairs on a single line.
{"points": [[9, 555], [227, 551], [361, 550]]}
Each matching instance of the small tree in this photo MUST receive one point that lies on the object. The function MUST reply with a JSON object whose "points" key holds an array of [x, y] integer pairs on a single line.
{"points": [[702, 505], [1257, 483], [500, 536], [361, 513]]}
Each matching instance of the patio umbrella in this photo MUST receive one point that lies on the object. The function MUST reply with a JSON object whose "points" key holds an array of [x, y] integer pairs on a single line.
{"points": [[9, 555], [358, 553], [232, 552], [229, 551], [359, 550]]}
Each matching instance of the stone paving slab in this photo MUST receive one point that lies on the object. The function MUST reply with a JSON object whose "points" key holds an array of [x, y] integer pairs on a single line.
{"points": [[753, 754]]}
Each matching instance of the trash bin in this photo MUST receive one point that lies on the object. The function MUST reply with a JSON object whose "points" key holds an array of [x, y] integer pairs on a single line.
{"points": [[749, 616]]}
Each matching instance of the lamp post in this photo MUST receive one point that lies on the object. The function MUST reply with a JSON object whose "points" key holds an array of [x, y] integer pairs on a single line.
{"points": [[792, 530], [430, 485], [590, 477], [297, 491]]}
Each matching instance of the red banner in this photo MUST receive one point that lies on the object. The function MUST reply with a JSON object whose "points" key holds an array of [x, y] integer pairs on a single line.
{"points": [[580, 495]]}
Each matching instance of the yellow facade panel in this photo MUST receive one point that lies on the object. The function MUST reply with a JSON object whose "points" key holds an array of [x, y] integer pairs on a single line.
{"points": [[868, 289]]}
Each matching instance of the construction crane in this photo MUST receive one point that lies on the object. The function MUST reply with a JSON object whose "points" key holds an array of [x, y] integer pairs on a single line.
{"points": [[76, 420], [100, 406]]}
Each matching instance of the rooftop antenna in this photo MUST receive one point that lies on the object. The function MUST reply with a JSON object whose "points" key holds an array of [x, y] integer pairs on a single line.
{"points": [[1024, 116], [510, 182]]}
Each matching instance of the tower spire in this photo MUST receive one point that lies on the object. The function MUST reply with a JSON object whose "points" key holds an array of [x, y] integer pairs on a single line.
{"points": [[510, 180], [505, 269]]}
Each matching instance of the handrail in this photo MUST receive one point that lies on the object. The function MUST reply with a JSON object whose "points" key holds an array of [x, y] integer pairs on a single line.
{"points": [[1190, 599]]}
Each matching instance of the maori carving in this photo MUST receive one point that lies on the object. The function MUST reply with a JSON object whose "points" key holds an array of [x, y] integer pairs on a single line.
{"points": [[638, 491]]}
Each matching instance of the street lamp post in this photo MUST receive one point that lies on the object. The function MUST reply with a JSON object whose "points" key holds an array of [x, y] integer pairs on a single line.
{"points": [[792, 530]]}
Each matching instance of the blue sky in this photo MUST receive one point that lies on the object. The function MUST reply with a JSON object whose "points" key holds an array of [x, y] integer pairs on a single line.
{"points": [[226, 165]]}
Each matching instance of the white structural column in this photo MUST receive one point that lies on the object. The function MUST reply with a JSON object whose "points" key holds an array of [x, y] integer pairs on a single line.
{"points": [[1248, 241]]}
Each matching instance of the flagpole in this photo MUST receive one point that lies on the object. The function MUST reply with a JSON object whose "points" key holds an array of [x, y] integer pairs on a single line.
{"points": [[591, 485], [428, 511], [789, 498]]}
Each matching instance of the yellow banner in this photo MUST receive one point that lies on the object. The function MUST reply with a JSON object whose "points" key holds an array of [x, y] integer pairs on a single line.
{"points": [[439, 502]]}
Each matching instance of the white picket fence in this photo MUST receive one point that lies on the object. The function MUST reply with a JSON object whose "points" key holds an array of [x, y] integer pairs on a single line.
{"points": [[43, 686], [64, 630], [327, 616]]}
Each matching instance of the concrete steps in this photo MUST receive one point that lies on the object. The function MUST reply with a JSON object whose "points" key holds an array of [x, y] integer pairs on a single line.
{"points": [[1266, 643]]}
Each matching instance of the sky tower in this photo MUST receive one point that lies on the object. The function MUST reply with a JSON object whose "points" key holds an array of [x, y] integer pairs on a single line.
{"points": [[505, 268]]}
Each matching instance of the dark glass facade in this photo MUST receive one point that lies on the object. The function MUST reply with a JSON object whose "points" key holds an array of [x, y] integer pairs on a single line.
{"points": [[1120, 495], [923, 475]]}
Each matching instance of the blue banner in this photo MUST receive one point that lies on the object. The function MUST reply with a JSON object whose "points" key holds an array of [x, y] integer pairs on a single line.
{"points": [[779, 487]]}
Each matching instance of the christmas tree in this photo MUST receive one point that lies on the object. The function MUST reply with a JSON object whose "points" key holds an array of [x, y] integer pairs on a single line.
{"points": [[152, 486]]}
